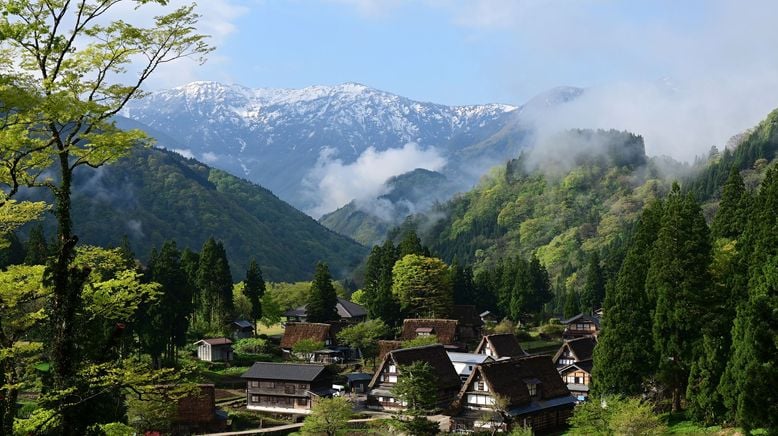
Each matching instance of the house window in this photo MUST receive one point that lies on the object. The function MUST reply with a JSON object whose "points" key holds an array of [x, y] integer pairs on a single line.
{"points": [[470, 367], [255, 398], [254, 383], [480, 385], [302, 386], [302, 401], [480, 400], [392, 379], [380, 399], [533, 389], [566, 361], [392, 368], [270, 384], [289, 389]]}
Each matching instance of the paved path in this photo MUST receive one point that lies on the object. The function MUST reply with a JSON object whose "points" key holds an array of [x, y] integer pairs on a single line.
{"points": [[279, 428]]}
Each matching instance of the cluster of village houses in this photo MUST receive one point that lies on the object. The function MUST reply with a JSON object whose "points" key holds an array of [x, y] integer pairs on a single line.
{"points": [[540, 390]]}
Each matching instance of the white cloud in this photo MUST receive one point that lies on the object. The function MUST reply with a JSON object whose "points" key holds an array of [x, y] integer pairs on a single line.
{"points": [[332, 183], [209, 157], [716, 53], [185, 152], [217, 20]]}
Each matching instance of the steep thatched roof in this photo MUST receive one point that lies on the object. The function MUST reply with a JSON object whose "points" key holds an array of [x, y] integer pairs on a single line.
{"points": [[297, 331], [444, 329], [508, 378], [502, 345], [582, 348], [435, 355]]}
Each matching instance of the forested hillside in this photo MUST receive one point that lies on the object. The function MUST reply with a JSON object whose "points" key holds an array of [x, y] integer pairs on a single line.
{"points": [[564, 211], [155, 195], [369, 221]]}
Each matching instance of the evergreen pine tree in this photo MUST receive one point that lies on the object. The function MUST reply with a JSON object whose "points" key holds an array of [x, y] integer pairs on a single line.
{"points": [[572, 306], [126, 250], [680, 280], [379, 300], [411, 244], [37, 248], [214, 282], [593, 291], [732, 216], [168, 319], [322, 298], [747, 386], [540, 287], [462, 283], [254, 289], [624, 356], [521, 292]]}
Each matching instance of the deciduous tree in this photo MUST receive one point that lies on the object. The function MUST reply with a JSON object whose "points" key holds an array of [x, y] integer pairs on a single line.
{"points": [[328, 416], [68, 63], [422, 286]]}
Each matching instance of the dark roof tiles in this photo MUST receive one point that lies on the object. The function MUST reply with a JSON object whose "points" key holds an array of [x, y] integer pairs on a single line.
{"points": [[284, 371]]}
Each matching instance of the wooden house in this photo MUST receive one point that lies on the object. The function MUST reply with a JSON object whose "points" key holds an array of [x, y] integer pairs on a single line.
{"points": [[534, 396], [465, 362], [574, 363], [214, 350], [286, 387], [499, 346], [581, 325], [295, 332], [242, 329], [445, 330], [348, 311], [380, 396]]}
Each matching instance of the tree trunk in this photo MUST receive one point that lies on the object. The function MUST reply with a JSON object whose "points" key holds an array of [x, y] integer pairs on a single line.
{"points": [[676, 399], [67, 283], [7, 410]]}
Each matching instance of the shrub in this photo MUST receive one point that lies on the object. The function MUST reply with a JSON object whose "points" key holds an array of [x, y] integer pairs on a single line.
{"points": [[551, 330], [251, 346]]}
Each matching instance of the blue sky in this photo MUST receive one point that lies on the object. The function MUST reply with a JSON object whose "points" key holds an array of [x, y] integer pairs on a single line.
{"points": [[464, 51], [685, 74]]}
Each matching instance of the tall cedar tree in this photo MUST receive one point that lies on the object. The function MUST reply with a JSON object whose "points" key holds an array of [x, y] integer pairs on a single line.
{"points": [[322, 300], [680, 279], [37, 248], [462, 283], [175, 306], [572, 305], [748, 383], [214, 283], [379, 300], [541, 285], [254, 289], [593, 291], [411, 244], [624, 356], [730, 289], [732, 216], [521, 292]]}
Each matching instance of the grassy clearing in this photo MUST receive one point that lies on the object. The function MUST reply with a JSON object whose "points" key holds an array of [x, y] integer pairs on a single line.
{"points": [[273, 330]]}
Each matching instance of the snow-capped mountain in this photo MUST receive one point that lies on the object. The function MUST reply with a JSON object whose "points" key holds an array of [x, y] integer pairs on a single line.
{"points": [[276, 136]]}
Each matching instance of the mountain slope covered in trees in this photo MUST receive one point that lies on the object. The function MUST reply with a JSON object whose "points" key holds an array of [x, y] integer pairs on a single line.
{"points": [[155, 195]]}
